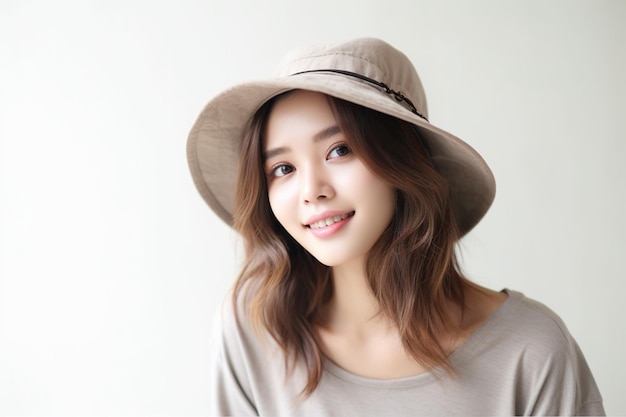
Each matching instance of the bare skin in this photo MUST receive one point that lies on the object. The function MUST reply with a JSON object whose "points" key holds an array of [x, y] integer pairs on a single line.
{"points": [[354, 337]]}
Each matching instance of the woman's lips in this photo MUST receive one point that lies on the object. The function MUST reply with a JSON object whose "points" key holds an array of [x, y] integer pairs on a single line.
{"points": [[330, 225]]}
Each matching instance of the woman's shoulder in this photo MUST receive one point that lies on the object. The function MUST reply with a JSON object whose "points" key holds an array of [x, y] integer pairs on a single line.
{"points": [[534, 321], [508, 319], [522, 328], [531, 341], [526, 343]]}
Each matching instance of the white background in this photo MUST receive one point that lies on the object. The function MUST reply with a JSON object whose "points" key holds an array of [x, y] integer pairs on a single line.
{"points": [[111, 264]]}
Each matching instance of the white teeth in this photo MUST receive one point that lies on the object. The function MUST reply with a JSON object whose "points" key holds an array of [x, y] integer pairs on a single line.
{"points": [[329, 221]]}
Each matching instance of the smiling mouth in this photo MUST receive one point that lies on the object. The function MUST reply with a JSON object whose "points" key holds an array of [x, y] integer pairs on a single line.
{"points": [[329, 221]]}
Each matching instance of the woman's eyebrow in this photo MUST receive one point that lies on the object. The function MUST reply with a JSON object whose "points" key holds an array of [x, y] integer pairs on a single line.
{"points": [[321, 135], [270, 153], [326, 133]]}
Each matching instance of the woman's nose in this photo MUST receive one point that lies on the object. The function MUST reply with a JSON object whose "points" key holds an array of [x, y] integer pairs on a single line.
{"points": [[315, 186]]}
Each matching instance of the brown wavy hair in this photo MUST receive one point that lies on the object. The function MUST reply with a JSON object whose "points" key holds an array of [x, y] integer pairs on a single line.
{"points": [[411, 269]]}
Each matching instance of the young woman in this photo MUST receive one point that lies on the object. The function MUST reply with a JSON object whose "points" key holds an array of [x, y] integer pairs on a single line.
{"points": [[350, 301]]}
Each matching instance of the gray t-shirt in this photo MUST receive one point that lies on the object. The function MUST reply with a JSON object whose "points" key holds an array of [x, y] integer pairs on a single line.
{"points": [[520, 361]]}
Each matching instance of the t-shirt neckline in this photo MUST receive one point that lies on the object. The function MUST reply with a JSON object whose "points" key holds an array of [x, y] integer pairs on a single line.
{"points": [[462, 353]]}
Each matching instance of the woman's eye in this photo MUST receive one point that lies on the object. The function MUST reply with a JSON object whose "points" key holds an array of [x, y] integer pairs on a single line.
{"points": [[281, 170], [339, 151]]}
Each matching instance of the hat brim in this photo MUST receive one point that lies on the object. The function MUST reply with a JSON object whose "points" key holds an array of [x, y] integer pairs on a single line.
{"points": [[214, 142]]}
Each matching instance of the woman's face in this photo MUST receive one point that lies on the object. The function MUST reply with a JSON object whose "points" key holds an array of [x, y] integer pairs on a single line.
{"points": [[320, 191]]}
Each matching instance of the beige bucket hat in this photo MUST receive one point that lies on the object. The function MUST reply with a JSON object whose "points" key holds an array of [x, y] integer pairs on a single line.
{"points": [[365, 71]]}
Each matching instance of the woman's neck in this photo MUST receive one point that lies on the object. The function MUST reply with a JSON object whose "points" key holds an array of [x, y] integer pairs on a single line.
{"points": [[354, 335], [352, 305]]}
